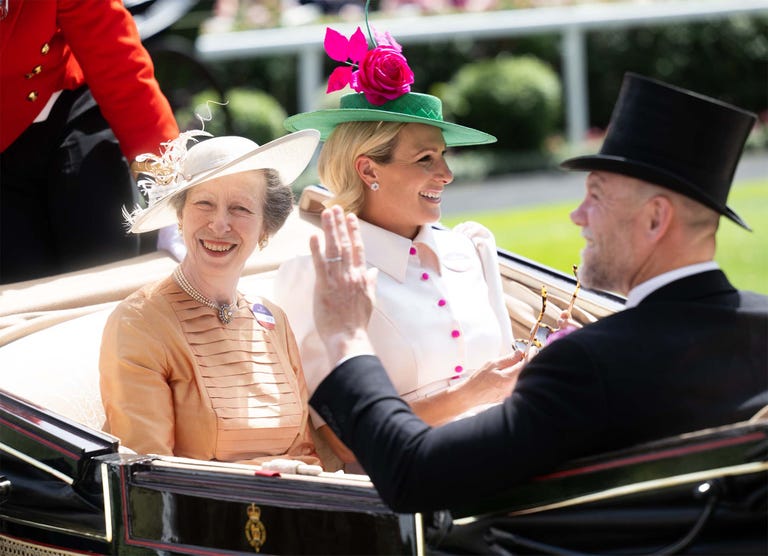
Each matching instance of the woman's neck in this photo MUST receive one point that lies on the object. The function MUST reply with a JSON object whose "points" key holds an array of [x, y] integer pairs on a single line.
{"points": [[218, 288], [406, 231]]}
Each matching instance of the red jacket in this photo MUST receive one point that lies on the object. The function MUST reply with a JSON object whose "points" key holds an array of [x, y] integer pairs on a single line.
{"points": [[49, 45]]}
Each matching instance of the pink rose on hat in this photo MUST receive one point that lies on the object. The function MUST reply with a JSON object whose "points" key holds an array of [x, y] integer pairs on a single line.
{"points": [[382, 73]]}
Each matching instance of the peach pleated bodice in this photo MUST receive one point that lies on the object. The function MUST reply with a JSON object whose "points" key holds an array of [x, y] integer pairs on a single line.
{"points": [[177, 381]]}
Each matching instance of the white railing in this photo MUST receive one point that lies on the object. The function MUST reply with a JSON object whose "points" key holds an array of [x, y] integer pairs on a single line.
{"points": [[571, 22]]}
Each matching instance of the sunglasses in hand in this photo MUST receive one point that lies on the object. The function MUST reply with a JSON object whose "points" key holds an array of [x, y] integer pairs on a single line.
{"points": [[541, 333]]}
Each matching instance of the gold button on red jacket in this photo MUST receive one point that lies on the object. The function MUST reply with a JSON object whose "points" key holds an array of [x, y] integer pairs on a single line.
{"points": [[76, 42]]}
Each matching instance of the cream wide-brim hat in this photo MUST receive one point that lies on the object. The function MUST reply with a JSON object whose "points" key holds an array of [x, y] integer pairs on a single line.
{"points": [[223, 156]]}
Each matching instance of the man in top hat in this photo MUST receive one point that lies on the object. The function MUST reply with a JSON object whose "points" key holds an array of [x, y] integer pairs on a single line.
{"points": [[689, 351]]}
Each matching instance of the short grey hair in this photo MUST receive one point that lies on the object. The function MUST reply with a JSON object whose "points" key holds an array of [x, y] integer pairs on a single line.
{"points": [[278, 202]]}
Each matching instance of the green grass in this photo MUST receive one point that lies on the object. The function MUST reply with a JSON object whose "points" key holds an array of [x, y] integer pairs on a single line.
{"points": [[546, 234]]}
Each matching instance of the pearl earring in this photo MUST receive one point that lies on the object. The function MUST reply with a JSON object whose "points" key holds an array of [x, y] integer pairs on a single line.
{"points": [[374, 186]]}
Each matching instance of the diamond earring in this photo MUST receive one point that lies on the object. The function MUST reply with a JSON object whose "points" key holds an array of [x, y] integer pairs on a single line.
{"points": [[374, 186]]}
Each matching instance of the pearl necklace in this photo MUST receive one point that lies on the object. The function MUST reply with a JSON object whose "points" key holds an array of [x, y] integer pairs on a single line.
{"points": [[225, 311]]}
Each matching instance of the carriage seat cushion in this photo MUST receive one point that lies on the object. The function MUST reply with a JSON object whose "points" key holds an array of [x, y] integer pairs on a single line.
{"points": [[57, 368]]}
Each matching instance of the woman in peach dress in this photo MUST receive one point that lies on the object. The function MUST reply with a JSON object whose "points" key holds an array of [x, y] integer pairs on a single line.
{"points": [[189, 365]]}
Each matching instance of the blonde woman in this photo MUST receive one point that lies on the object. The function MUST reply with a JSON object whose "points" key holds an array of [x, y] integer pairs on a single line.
{"points": [[439, 311]]}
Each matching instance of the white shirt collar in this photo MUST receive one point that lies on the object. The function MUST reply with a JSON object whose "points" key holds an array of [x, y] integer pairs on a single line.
{"points": [[390, 252], [641, 291]]}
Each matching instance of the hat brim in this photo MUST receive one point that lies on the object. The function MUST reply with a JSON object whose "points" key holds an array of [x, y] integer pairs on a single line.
{"points": [[325, 121], [651, 174], [288, 155]]}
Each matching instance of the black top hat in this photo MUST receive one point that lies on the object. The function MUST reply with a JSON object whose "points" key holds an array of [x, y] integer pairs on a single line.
{"points": [[675, 138]]}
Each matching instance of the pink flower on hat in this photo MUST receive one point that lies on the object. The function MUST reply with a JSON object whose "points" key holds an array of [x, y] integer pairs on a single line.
{"points": [[341, 49], [381, 74]]}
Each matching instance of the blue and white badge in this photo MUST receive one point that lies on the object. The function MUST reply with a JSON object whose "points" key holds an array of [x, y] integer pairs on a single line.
{"points": [[263, 316]]}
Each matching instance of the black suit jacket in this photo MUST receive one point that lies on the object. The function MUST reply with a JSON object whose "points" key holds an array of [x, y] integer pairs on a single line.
{"points": [[692, 355]]}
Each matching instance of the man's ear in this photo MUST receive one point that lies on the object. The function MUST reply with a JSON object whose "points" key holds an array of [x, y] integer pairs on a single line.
{"points": [[660, 212]]}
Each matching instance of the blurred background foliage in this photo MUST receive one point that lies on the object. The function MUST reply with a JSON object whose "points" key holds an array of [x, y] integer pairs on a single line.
{"points": [[257, 114], [510, 87]]}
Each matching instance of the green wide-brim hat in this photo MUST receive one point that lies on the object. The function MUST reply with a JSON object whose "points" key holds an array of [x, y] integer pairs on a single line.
{"points": [[414, 108]]}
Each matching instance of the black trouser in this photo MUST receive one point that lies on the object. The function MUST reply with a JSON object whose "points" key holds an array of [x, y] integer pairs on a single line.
{"points": [[63, 184]]}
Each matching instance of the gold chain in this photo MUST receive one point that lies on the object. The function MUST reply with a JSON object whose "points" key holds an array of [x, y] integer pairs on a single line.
{"points": [[225, 311]]}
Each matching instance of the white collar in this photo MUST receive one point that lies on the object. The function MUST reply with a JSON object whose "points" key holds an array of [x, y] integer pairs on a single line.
{"points": [[390, 252], [641, 291]]}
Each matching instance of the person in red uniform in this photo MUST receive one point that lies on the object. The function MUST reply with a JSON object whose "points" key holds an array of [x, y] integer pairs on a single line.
{"points": [[78, 102]]}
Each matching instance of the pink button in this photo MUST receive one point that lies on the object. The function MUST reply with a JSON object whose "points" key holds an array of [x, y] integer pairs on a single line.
{"points": [[425, 276], [441, 303], [412, 251], [455, 333], [458, 368]]}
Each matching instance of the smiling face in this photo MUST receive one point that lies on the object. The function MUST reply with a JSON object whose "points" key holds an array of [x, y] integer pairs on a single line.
{"points": [[222, 222], [611, 221], [410, 185]]}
